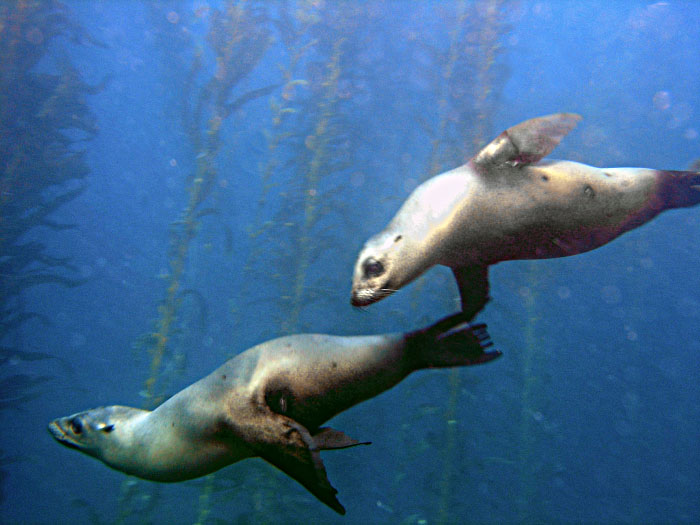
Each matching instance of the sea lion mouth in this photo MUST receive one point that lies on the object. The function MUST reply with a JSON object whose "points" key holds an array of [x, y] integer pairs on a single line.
{"points": [[60, 435], [368, 296], [361, 298], [357, 302]]}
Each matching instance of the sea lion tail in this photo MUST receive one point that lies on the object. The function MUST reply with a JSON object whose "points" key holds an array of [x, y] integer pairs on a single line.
{"points": [[678, 189], [450, 342]]}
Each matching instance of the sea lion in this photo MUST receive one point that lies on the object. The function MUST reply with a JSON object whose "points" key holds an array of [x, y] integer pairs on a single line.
{"points": [[505, 204], [269, 401]]}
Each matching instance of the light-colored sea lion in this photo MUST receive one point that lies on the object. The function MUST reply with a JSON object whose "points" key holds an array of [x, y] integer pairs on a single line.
{"points": [[505, 204], [269, 401]]}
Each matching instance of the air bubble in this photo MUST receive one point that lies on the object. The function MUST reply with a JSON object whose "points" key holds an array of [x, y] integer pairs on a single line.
{"points": [[34, 36], [646, 263], [662, 100], [611, 294]]}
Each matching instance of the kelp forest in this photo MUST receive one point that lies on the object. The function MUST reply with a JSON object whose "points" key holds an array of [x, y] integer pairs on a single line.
{"points": [[183, 180], [46, 124]]}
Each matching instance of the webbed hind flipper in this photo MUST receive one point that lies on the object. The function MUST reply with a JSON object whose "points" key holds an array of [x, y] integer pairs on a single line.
{"points": [[289, 446], [525, 143], [328, 438], [449, 342]]}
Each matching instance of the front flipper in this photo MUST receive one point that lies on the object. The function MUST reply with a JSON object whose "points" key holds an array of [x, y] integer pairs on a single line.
{"points": [[473, 283], [289, 446], [525, 143]]}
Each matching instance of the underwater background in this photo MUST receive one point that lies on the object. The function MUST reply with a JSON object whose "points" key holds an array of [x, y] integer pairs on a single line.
{"points": [[183, 180]]}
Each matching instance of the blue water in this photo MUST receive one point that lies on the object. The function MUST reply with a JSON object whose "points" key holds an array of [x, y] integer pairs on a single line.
{"points": [[593, 412]]}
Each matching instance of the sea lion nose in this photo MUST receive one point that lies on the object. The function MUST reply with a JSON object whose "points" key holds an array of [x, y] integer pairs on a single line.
{"points": [[360, 298], [355, 299]]}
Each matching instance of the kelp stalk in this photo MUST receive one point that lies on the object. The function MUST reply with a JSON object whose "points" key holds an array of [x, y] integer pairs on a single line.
{"points": [[318, 144]]}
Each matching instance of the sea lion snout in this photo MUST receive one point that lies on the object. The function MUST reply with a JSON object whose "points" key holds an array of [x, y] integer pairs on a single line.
{"points": [[367, 296], [360, 298], [62, 433]]}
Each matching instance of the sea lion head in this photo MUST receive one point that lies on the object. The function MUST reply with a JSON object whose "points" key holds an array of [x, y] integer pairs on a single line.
{"points": [[385, 264], [94, 432]]}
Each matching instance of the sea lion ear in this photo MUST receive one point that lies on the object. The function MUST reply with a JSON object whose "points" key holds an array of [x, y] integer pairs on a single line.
{"points": [[527, 142]]}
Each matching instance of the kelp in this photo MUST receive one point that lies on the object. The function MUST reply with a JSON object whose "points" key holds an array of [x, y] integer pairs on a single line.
{"points": [[9, 355], [12, 356], [209, 95], [12, 319], [238, 38], [309, 153], [44, 117], [41, 117], [466, 80], [18, 389], [303, 182]]}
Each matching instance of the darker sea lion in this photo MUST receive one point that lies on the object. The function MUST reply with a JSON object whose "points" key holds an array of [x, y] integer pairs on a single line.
{"points": [[505, 204], [269, 401]]}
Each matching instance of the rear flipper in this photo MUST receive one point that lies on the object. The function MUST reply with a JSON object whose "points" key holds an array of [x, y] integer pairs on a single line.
{"points": [[450, 342], [678, 189]]}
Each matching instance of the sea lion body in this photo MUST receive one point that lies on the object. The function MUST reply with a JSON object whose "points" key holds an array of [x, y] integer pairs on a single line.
{"points": [[268, 401], [507, 204], [551, 209]]}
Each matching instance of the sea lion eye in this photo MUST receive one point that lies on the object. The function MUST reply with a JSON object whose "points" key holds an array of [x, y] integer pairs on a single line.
{"points": [[372, 268], [76, 426]]}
